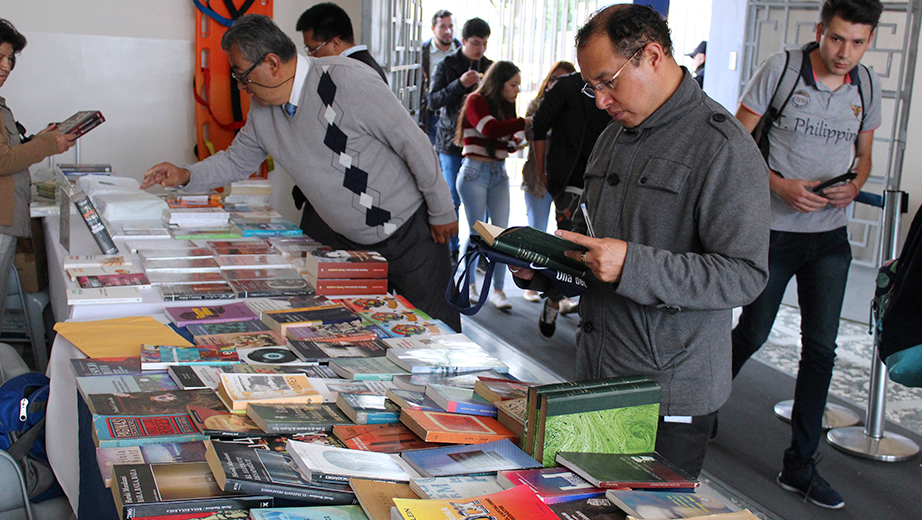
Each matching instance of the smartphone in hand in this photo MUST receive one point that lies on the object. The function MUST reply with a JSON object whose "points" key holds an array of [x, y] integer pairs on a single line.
{"points": [[845, 177]]}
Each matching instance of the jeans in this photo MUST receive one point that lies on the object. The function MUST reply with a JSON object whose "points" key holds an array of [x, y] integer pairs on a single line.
{"points": [[450, 165], [433, 124], [484, 186], [820, 261], [538, 210]]}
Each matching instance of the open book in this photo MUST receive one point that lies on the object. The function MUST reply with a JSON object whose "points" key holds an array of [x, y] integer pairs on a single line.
{"points": [[529, 244]]}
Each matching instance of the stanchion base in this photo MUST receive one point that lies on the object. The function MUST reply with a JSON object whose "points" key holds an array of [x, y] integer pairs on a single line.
{"points": [[835, 416], [891, 447]]}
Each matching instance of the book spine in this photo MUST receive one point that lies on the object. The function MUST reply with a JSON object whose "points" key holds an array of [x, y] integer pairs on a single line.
{"points": [[311, 496], [95, 225], [473, 409], [174, 507], [142, 441]]}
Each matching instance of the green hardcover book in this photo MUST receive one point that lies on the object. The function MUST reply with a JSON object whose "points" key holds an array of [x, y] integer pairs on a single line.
{"points": [[534, 246], [296, 418], [620, 418]]}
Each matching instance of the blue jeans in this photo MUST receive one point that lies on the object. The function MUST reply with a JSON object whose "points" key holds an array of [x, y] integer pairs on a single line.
{"points": [[538, 210], [485, 186], [820, 261], [433, 124], [450, 165]]}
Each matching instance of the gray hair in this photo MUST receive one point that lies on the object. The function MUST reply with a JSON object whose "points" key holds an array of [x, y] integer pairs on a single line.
{"points": [[256, 35]]}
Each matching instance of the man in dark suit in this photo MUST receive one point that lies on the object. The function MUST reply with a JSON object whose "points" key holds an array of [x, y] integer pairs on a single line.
{"points": [[327, 31]]}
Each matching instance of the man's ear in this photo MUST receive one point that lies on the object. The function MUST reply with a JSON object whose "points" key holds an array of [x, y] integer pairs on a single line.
{"points": [[655, 54], [819, 31], [275, 64]]}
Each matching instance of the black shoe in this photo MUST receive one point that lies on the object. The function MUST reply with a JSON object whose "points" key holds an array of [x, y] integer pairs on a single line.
{"points": [[802, 477], [547, 322]]}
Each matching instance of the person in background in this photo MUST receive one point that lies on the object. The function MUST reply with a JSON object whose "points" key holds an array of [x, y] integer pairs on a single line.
{"points": [[327, 31], [17, 153], [809, 238], [576, 122], [485, 130], [455, 77], [434, 51], [537, 199], [351, 147], [699, 56]]}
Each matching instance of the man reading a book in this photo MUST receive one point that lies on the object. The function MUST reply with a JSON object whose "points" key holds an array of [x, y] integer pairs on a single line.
{"points": [[350, 146], [678, 202]]}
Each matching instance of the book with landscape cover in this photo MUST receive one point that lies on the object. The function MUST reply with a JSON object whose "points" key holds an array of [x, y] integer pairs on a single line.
{"points": [[515, 503], [293, 418], [665, 505], [281, 320], [533, 246], [324, 351], [161, 357], [447, 427], [234, 340], [196, 314], [366, 369], [345, 264], [445, 360], [469, 459], [635, 471], [368, 409], [377, 498], [114, 432], [196, 377], [237, 390], [104, 296], [551, 485], [460, 400], [272, 287], [351, 512], [122, 366], [343, 463], [148, 454], [382, 438], [458, 486], [113, 280], [197, 291], [410, 400], [257, 469], [621, 418], [234, 327], [152, 403], [221, 423], [353, 330], [117, 384], [143, 490]]}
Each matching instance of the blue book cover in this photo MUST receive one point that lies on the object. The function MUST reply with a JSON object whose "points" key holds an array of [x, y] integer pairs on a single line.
{"points": [[469, 459]]}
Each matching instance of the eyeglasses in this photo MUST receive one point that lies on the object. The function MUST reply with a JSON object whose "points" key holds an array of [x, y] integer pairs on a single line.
{"points": [[311, 52], [242, 79], [590, 91]]}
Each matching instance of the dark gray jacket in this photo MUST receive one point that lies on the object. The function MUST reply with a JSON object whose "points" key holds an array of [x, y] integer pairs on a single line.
{"points": [[446, 94]]}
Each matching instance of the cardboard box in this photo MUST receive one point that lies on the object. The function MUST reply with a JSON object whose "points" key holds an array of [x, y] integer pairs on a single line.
{"points": [[33, 271]]}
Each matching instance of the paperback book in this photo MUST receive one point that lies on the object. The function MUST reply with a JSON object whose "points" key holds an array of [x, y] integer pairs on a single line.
{"points": [[635, 471], [272, 287], [454, 428], [322, 264], [352, 512], [551, 485], [382, 438], [460, 400], [515, 503], [174, 253], [238, 390], [221, 423], [377, 498], [104, 296], [148, 454], [346, 286], [234, 327], [117, 384], [182, 265], [366, 369], [345, 463], [169, 278], [114, 432], [191, 377], [242, 339], [291, 418], [252, 261], [122, 366], [368, 409], [445, 360], [410, 400], [469, 459], [161, 357], [665, 505], [457, 487], [197, 291], [152, 403], [188, 315], [324, 351], [282, 320], [74, 273], [288, 303], [113, 280], [419, 382], [271, 355], [378, 303], [352, 330]]}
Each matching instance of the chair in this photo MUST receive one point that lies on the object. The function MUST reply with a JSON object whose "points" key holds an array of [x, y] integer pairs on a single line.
{"points": [[33, 305]]}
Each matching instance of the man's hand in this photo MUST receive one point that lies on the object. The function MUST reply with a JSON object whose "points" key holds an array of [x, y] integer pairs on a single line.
{"points": [[63, 142], [797, 194], [167, 175], [841, 195], [471, 77], [442, 233], [605, 256]]}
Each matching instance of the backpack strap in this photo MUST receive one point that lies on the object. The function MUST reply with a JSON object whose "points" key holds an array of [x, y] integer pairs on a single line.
{"points": [[793, 66], [866, 91], [24, 443]]}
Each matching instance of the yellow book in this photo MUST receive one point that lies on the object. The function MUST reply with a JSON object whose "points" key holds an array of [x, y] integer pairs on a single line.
{"points": [[238, 390]]}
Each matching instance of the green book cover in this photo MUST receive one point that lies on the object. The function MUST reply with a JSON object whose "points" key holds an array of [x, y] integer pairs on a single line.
{"points": [[534, 246], [296, 418], [617, 419]]}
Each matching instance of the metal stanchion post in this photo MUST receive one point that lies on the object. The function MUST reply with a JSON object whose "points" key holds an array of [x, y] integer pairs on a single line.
{"points": [[871, 441]]}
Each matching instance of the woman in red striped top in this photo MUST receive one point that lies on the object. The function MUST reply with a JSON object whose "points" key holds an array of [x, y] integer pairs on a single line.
{"points": [[485, 132]]}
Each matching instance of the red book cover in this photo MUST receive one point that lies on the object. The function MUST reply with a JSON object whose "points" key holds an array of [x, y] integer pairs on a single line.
{"points": [[341, 287], [345, 264], [454, 428], [382, 438]]}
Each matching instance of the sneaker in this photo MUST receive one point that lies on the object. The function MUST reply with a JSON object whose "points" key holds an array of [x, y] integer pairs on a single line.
{"points": [[531, 296], [547, 322], [568, 306], [805, 480], [475, 296], [498, 298], [482, 265]]}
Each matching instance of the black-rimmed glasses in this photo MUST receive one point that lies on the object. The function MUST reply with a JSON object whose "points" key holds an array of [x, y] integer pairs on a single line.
{"points": [[590, 91], [242, 79]]}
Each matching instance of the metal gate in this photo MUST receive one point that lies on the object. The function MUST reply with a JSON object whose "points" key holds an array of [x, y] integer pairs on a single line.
{"points": [[402, 24], [773, 25]]}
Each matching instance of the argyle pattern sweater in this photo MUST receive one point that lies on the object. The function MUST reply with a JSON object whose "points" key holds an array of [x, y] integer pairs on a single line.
{"points": [[351, 147]]}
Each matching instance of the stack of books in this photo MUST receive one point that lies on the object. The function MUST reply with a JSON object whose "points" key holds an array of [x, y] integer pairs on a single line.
{"points": [[339, 272], [253, 193]]}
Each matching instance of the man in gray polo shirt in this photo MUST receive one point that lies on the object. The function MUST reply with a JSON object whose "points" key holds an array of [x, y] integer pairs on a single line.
{"points": [[813, 140]]}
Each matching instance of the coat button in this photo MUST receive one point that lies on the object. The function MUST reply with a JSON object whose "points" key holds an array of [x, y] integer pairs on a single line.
{"points": [[613, 179], [720, 118], [643, 180], [587, 327]]}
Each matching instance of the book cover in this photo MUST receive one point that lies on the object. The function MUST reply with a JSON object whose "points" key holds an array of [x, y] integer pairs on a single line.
{"points": [[366, 369], [454, 428], [233, 327], [419, 382], [258, 469], [415, 328], [113, 432], [345, 264], [458, 487], [512, 414], [272, 355], [533, 246], [599, 508], [378, 303], [170, 278], [367, 409], [410, 400], [152, 403], [104, 296], [460, 400], [118, 384], [123, 366], [272, 287], [94, 223], [252, 261], [515, 503], [346, 463], [161, 357], [196, 291], [148, 454], [236, 390], [330, 388], [323, 351], [187, 315], [291, 418], [347, 286], [281, 321], [182, 265], [635, 471], [440, 341], [469, 459], [221, 423], [242, 339], [190, 377], [186, 233], [309, 513], [259, 274], [389, 316], [665, 505], [142, 490], [174, 253], [551, 485], [81, 122], [377, 498], [113, 280], [321, 371], [288, 303], [75, 272], [75, 261], [382, 438], [445, 360], [352, 330], [493, 389]]}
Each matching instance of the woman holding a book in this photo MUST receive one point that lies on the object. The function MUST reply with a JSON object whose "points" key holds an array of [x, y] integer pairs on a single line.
{"points": [[486, 129], [17, 153]]}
